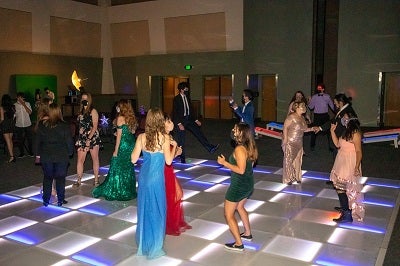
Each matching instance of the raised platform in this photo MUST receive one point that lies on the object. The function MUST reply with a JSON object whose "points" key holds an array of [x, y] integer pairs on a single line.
{"points": [[268, 132]]}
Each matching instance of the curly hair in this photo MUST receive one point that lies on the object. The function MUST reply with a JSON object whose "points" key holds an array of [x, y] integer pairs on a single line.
{"points": [[246, 139], [155, 126], [126, 111], [353, 126]]}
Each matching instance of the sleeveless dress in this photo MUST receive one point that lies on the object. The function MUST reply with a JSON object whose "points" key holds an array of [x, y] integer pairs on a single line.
{"points": [[120, 183], [175, 224], [8, 124], [342, 176], [293, 151], [85, 125], [151, 206], [241, 186]]}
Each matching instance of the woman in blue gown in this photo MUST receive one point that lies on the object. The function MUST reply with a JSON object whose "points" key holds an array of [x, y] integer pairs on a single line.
{"points": [[155, 145], [120, 183]]}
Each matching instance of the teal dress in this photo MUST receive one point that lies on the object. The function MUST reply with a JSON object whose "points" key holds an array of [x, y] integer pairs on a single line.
{"points": [[120, 183], [241, 186], [151, 206]]}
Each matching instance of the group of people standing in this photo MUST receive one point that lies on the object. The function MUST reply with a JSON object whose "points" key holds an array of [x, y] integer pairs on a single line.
{"points": [[343, 130]]}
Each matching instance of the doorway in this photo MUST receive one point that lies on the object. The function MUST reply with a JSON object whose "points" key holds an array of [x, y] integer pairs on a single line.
{"points": [[390, 99], [170, 89], [217, 91], [267, 84]]}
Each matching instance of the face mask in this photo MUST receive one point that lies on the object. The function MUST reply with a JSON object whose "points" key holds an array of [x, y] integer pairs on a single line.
{"points": [[344, 121], [85, 102], [118, 109]]}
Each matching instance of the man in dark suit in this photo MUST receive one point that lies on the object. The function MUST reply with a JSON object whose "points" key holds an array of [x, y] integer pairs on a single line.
{"points": [[182, 115]]}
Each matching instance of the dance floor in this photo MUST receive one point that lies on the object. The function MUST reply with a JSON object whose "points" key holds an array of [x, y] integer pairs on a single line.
{"points": [[291, 225]]}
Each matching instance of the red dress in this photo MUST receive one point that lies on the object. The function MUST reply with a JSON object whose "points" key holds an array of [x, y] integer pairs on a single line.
{"points": [[175, 221]]}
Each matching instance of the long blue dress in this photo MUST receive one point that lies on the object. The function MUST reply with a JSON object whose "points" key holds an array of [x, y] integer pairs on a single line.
{"points": [[120, 183], [151, 206]]}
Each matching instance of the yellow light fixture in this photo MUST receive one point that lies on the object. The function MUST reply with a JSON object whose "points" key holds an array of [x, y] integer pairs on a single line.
{"points": [[76, 81]]}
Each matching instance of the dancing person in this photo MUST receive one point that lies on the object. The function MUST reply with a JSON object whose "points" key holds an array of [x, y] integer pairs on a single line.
{"points": [[155, 145], [299, 96], [88, 138], [175, 223], [120, 182], [182, 115], [241, 187], [246, 112], [54, 145], [292, 143], [23, 125], [320, 104], [346, 170], [7, 124]]}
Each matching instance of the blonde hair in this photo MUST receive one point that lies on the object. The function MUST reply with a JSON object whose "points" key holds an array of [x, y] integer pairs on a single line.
{"points": [[155, 126], [126, 111]]}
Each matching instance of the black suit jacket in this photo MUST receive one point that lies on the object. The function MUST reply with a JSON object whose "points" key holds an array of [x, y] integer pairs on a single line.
{"points": [[178, 110], [340, 129]]}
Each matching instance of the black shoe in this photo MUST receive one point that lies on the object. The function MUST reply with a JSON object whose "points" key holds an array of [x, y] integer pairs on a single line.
{"points": [[45, 204], [232, 246], [248, 238], [214, 148], [345, 217], [61, 203], [21, 156]]}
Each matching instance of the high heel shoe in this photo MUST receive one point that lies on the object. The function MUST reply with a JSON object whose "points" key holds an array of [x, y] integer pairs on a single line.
{"points": [[78, 182], [96, 182], [12, 159]]}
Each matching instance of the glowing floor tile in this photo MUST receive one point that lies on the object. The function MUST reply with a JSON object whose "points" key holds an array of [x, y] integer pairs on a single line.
{"points": [[270, 224], [142, 261], [252, 205], [44, 213], [299, 190], [5, 199], [206, 229], [328, 193], [64, 262], [267, 185], [317, 216], [355, 239], [316, 175], [328, 256], [104, 227], [188, 193], [198, 185], [9, 248], [293, 248], [128, 214], [85, 177], [73, 219], [69, 243], [104, 207], [128, 232], [78, 201], [210, 164], [36, 233], [212, 178], [218, 188], [390, 183], [379, 200], [26, 192], [14, 223], [19, 206], [294, 200], [104, 252]]}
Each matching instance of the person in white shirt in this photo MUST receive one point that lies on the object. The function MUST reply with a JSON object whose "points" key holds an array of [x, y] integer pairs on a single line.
{"points": [[23, 125]]}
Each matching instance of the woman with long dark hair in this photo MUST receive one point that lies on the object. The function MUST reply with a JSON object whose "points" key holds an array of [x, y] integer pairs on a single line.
{"points": [[7, 124]]}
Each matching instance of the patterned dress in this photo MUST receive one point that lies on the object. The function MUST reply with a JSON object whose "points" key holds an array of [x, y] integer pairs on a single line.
{"points": [[293, 150], [85, 125], [120, 183]]}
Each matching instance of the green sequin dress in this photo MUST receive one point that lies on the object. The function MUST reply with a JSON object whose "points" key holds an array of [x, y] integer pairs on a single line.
{"points": [[120, 183]]}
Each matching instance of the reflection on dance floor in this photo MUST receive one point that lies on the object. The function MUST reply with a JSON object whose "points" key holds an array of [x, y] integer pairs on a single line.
{"points": [[291, 225]]}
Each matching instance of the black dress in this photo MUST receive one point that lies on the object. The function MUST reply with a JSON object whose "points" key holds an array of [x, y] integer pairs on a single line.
{"points": [[8, 124]]}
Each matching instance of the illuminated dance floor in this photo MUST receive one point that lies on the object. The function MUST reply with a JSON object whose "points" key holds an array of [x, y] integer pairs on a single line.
{"points": [[291, 225]]}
